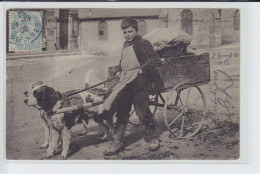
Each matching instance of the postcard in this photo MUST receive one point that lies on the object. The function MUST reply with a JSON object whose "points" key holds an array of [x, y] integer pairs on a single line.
{"points": [[123, 83]]}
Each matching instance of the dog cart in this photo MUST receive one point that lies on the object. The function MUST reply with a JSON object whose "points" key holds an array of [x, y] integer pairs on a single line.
{"points": [[182, 101]]}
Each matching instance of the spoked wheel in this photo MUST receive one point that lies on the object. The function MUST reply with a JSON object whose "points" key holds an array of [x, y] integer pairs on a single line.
{"points": [[153, 100], [190, 103]]}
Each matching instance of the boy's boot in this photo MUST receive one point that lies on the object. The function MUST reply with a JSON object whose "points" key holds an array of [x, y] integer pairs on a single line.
{"points": [[117, 143], [152, 136]]}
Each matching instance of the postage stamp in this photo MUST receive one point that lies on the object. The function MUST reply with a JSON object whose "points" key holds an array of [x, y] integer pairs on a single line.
{"points": [[25, 31], [178, 96]]}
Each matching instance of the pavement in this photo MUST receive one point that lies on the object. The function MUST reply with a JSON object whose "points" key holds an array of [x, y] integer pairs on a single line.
{"points": [[43, 54]]}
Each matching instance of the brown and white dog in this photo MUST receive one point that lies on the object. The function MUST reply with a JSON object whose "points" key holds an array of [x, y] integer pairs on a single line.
{"points": [[47, 100]]}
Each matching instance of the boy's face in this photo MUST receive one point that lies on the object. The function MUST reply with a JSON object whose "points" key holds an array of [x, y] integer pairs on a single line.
{"points": [[129, 33]]}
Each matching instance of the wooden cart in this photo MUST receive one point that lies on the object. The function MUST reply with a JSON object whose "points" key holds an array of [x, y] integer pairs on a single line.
{"points": [[183, 102]]}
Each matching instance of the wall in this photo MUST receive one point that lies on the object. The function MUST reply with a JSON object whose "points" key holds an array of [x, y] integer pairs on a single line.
{"points": [[113, 45], [89, 37], [48, 28], [229, 35], [59, 28], [206, 31], [210, 28]]}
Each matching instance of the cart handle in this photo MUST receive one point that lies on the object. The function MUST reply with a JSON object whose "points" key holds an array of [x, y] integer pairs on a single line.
{"points": [[88, 88], [77, 107]]}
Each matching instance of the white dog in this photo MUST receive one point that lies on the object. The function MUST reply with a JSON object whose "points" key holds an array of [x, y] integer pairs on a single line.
{"points": [[47, 100]]}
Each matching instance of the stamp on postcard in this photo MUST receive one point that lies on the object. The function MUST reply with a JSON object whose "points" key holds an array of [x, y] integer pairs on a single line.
{"points": [[25, 31]]}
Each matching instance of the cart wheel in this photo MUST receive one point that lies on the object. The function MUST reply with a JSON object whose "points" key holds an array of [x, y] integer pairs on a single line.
{"points": [[153, 108], [190, 103]]}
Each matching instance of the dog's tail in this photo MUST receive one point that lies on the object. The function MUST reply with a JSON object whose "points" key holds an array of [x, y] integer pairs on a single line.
{"points": [[87, 77]]}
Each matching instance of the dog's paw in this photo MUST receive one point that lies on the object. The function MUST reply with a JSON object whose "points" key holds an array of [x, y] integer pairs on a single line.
{"points": [[44, 145], [48, 154], [64, 155]]}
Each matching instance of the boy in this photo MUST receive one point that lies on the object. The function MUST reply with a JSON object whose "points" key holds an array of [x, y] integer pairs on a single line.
{"points": [[137, 77]]}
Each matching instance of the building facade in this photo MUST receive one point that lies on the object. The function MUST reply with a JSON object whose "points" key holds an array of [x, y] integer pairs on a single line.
{"points": [[60, 27], [99, 29]]}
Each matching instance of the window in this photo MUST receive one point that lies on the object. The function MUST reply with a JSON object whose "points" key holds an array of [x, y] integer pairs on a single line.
{"points": [[186, 21], [142, 29], [102, 30], [236, 20], [219, 12], [75, 27]]}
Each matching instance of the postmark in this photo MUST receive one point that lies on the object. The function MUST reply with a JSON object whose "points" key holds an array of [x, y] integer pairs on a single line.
{"points": [[25, 31]]}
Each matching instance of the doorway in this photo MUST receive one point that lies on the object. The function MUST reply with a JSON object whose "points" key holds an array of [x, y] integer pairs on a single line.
{"points": [[64, 19]]}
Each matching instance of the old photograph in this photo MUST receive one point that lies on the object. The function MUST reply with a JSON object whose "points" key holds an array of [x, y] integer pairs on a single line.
{"points": [[123, 84]]}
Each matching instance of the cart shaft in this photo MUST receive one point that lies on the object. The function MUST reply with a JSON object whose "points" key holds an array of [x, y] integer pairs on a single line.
{"points": [[78, 107]]}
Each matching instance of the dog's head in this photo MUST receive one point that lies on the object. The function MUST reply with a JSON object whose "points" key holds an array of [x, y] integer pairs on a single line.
{"points": [[31, 87], [42, 97]]}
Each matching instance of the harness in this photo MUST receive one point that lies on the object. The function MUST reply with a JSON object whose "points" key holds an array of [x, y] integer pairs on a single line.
{"points": [[88, 88], [57, 106]]}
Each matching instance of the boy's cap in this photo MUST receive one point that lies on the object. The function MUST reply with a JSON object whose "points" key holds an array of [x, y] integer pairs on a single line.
{"points": [[129, 22]]}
